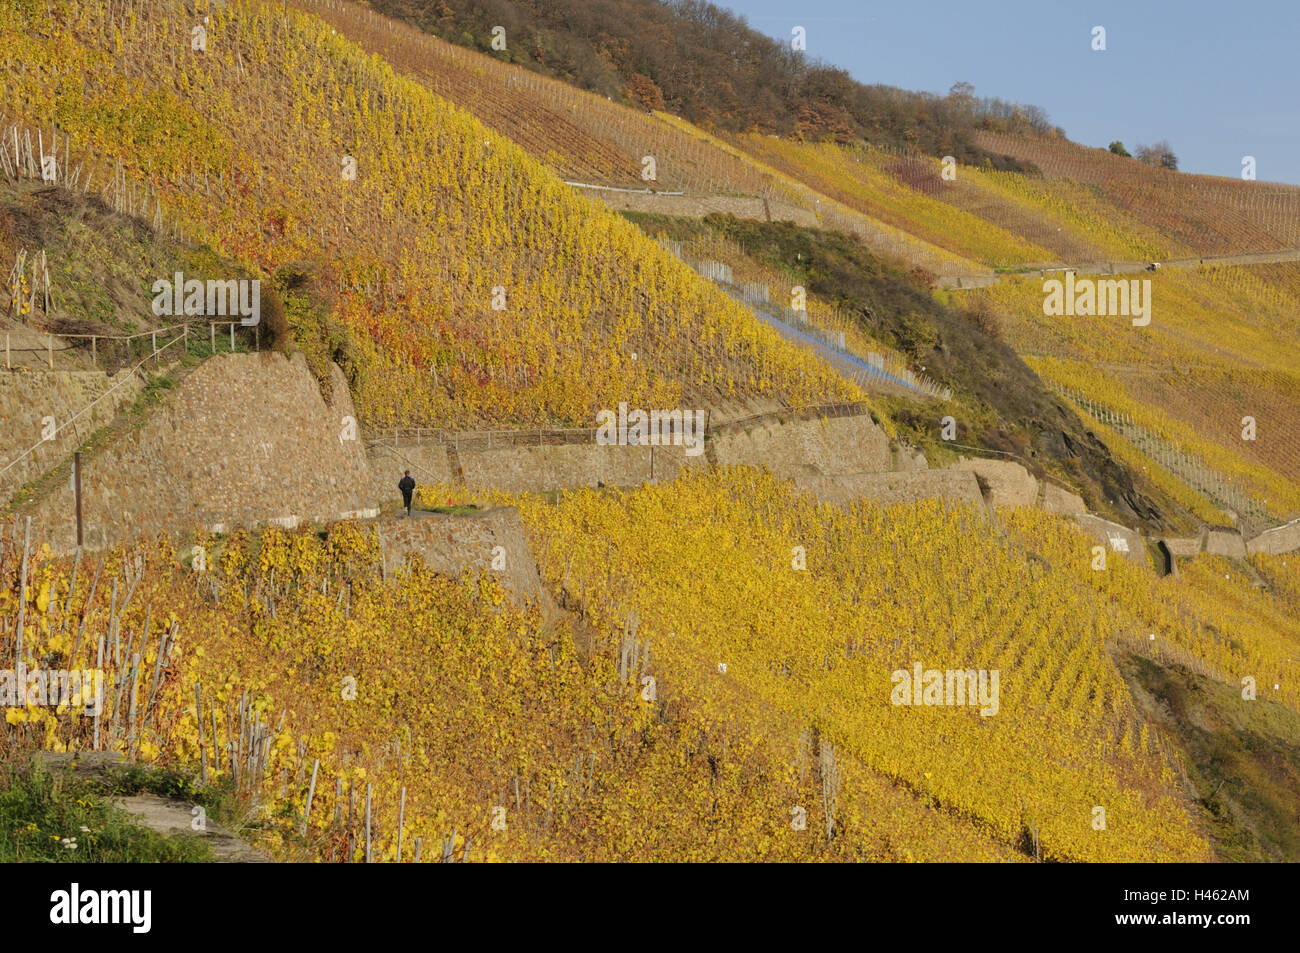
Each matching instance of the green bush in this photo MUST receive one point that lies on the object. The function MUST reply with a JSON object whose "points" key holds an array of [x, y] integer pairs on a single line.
{"points": [[60, 819]]}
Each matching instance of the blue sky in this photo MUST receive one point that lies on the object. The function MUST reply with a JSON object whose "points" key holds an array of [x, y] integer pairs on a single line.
{"points": [[1217, 80]]}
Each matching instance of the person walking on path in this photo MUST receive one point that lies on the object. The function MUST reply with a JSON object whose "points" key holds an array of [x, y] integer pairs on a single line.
{"points": [[407, 486]]}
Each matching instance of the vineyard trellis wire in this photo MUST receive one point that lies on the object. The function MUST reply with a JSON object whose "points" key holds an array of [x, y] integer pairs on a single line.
{"points": [[1176, 461], [795, 326]]}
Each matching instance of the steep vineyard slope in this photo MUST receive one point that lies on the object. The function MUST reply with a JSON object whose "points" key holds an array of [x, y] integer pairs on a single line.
{"points": [[1207, 215], [1006, 220], [476, 727], [851, 176], [473, 283], [628, 158], [583, 136], [885, 589], [1213, 374]]}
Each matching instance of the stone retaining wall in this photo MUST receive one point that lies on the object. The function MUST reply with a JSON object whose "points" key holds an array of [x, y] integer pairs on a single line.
{"points": [[819, 446], [29, 396], [1279, 539], [1116, 538], [698, 205], [1009, 484], [245, 439], [524, 469], [1225, 542], [906, 459], [829, 446], [428, 463], [1184, 545], [1061, 501], [957, 486], [450, 543]]}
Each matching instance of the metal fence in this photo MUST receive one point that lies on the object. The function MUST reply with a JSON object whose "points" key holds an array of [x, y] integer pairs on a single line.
{"points": [[118, 350], [795, 326], [480, 439], [1177, 461]]}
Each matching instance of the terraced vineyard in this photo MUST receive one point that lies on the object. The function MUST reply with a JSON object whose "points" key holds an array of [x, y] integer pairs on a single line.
{"points": [[404, 206], [591, 140], [1004, 220], [1163, 429], [855, 177], [1219, 349], [708, 666], [1086, 226], [1215, 400], [1211, 618], [473, 725], [582, 136], [812, 645], [1209, 215], [1228, 497]]}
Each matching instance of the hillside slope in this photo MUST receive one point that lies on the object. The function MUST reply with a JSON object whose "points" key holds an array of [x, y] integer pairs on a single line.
{"points": [[707, 64], [1200, 215], [617, 154], [473, 722], [427, 256], [102, 266], [1000, 403], [704, 664]]}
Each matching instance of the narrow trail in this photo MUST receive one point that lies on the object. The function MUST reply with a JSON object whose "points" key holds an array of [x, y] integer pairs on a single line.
{"points": [[169, 817], [1134, 267]]}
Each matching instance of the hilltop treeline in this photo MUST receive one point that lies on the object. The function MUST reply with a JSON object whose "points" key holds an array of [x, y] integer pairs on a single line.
{"points": [[706, 64]]}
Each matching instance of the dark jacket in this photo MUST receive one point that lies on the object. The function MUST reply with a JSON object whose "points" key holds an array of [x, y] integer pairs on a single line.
{"points": [[406, 485]]}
